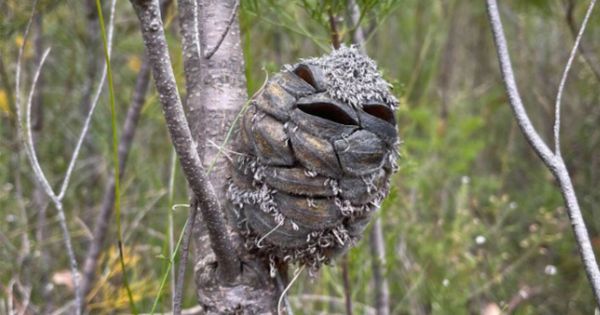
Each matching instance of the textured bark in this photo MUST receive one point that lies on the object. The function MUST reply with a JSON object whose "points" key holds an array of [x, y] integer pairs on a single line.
{"points": [[221, 288], [40, 200], [377, 244], [37, 111], [192, 52], [553, 160], [223, 84], [223, 93], [224, 268], [588, 56]]}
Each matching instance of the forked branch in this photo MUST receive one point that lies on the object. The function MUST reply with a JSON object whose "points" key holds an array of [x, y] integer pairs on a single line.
{"points": [[563, 79], [26, 136], [588, 56], [553, 160], [156, 47]]}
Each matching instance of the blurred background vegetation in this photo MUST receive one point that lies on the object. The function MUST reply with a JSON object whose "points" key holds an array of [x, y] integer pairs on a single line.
{"points": [[474, 222]]}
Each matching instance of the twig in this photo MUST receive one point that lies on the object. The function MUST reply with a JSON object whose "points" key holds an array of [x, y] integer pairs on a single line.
{"points": [[170, 224], [185, 248], [554, 162], [188, 13], [41, 178], [283, 294], [347, 286], [25, 292], [335, 35], [171, 260], [563, 79], [594, 66], [358, 35], [213, 50], [88, 118], [156, 47], [25, 242], [32, 156], [9, 296], [377, 244], [281, 286], [38, 43]]}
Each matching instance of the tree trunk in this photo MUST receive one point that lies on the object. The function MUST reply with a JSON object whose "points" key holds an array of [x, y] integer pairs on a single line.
{"points": [[222, 96]]}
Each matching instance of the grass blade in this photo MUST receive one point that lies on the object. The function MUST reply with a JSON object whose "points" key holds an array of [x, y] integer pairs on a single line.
{"points": [[115, 145]]}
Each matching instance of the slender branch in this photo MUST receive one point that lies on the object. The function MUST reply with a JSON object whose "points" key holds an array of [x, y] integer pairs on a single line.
{"points": [[156, 47], [347, 285], [563, 79], [213, 50], [188, 13], [29, 147], [26, 135], [38, 42], [283, 293], [18, 70], [39, 198], [594, 66], [189, 19], [554, 162], [377, 244], [335, 35], [88, 118], [38, 172], [514, 97], [358, 35], [185, 247], [170, 224]]}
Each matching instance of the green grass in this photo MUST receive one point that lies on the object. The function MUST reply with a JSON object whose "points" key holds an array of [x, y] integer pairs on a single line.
{"points": [[115, 156]]}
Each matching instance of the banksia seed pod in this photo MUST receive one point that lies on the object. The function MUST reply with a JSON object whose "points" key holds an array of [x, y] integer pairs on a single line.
{"points": [[318, 145]]}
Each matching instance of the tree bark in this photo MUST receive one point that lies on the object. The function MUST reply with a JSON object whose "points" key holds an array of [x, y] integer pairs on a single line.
{"points": [[225, 286], [223, 94], [552, 159]]}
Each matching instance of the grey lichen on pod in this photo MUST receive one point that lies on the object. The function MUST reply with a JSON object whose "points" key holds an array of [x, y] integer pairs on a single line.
{"points": [[318, 146]]}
